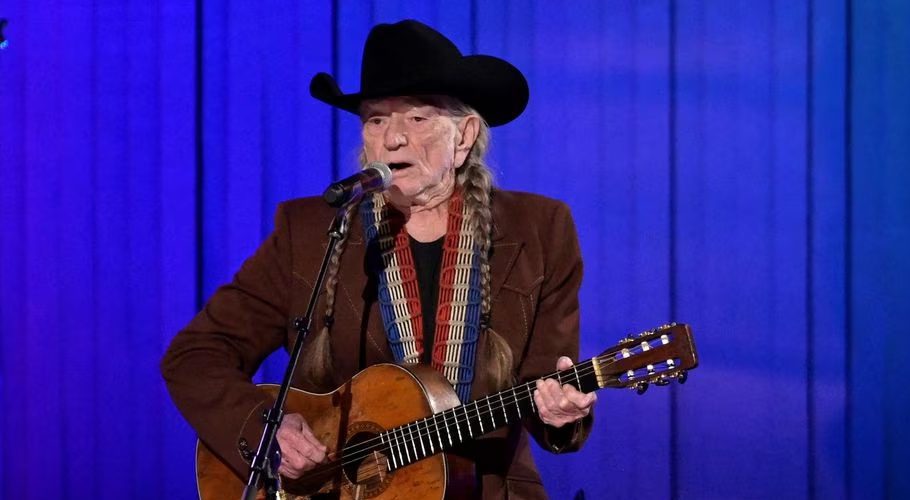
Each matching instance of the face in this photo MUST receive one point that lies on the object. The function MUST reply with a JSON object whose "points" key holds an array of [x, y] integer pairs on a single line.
{"points": [[421, 143]]}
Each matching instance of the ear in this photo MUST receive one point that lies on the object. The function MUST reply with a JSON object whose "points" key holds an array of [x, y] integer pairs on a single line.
{"points": [[468, 129]]}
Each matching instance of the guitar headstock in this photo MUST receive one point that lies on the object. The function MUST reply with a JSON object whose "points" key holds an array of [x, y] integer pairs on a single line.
{"points": [[655, 356]]}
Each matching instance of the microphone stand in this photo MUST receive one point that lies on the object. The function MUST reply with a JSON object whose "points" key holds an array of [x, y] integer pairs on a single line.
{"points": [[261, 464]]}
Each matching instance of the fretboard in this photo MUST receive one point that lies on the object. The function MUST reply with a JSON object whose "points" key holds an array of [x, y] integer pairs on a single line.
{"points": [[442, 431]]}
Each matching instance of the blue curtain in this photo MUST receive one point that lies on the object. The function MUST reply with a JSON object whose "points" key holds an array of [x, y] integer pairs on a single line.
{"points": [[741, 166]]}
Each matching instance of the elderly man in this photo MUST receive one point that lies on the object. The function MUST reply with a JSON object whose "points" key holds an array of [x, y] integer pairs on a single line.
{"points": [[441, 269]]}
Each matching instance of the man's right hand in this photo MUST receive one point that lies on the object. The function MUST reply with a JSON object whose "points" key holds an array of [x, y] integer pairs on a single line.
{"points": [[300, 450]]}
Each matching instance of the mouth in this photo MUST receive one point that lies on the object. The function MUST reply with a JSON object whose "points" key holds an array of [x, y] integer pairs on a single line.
{"points": [[399, 165]]}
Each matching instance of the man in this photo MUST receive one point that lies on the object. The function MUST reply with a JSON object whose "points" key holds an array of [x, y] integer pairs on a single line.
{"points": [[441, 269]]}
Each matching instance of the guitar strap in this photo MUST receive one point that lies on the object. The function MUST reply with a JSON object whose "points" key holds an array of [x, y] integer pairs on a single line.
{"points": [[458, 312]]}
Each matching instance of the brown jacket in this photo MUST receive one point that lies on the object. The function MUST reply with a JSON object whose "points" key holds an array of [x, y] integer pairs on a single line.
{"points": [[536, 273]]}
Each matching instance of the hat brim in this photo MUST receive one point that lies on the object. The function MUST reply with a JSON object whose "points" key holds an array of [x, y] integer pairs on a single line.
{"points": [[492, 86]]}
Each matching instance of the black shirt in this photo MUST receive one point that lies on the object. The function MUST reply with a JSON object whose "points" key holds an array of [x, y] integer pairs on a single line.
{"points": [[427, 261]]}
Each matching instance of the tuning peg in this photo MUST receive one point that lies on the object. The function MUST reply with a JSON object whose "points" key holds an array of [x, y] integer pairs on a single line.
{"points": [[641, 387], [682, 376], [662, 381]]}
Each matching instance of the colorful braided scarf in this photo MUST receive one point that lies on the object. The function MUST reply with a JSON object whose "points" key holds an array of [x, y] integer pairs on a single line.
{"points": [[459, 309]]}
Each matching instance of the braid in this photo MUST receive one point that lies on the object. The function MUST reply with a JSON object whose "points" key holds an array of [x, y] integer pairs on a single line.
{"points": [[476, 181], [318, 367]]}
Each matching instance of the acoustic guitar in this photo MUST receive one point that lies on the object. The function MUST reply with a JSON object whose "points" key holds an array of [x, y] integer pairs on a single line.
{"points": [[391, 429]]}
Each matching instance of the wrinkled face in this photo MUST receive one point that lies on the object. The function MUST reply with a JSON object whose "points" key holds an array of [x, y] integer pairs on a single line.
{"points": [[420, 142]]}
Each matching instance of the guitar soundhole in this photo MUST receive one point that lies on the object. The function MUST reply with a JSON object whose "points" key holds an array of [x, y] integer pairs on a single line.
{"points": [[367, 472]]}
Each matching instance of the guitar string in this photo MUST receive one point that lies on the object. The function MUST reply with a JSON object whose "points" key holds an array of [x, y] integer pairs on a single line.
{"points": [[411, 438], [352, 454], [610, 357], [349, 456]]}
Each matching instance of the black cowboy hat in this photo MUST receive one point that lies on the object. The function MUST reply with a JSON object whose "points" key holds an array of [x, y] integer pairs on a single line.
{"points": [[409, 58]]}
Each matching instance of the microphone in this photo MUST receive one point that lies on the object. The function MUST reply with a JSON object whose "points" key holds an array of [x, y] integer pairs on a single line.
{"points": [[377, 176]]}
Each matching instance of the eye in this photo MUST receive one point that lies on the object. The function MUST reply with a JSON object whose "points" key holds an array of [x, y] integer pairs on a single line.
{"points": [[375, 120], [418, 119]]}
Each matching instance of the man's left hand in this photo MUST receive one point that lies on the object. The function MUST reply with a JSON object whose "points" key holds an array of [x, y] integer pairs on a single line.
{"points": [[561, 405]]}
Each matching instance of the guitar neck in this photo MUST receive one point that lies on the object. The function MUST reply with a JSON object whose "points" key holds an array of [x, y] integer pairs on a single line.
{"points": [[442, 431], [654, 356]]}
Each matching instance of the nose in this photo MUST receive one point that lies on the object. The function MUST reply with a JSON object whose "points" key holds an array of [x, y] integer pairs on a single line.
{"points": [[395, 135]]}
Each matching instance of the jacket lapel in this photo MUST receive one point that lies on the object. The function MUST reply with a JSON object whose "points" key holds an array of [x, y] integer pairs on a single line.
{"points": [[358, 290]]}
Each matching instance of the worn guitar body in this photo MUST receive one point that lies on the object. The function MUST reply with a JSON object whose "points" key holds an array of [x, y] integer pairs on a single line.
{"points": [[390, 428], [378, 398]]}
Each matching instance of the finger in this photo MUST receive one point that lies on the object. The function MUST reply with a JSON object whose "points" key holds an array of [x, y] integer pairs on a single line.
{"points": [[302, 460], [592, 398], [577, 398], [553, 391], [292, 440], [315, 453], [548, 389], [309, 455], [290, 426], [550, 408], [563, 363], [285, 471], [566, 407], [306, 431], [294, 420], [559, 404], [300, 456], [542, 402], [291, 466], [311, 438], [296, 434]]}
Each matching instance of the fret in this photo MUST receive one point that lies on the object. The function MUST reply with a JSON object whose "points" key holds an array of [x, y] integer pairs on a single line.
{"points": [[517, 404], [439, 432], [413, 443], [467, 419], [492, 412], [457, 427], [382, 438], [404, 441], [388, 464], [406, 444], [399, 462], [429, 434], [420, 440]]}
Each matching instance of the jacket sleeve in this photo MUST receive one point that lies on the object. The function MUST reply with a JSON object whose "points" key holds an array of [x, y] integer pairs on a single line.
{"points": [[209, 364], [556, 325]]}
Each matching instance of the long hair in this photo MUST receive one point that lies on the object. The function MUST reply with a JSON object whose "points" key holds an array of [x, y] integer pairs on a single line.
{"points": [[475, 179]]}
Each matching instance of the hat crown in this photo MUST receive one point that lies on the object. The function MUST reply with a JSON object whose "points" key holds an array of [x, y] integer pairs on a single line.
{"points": [[409, 58], [407, 51]]}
